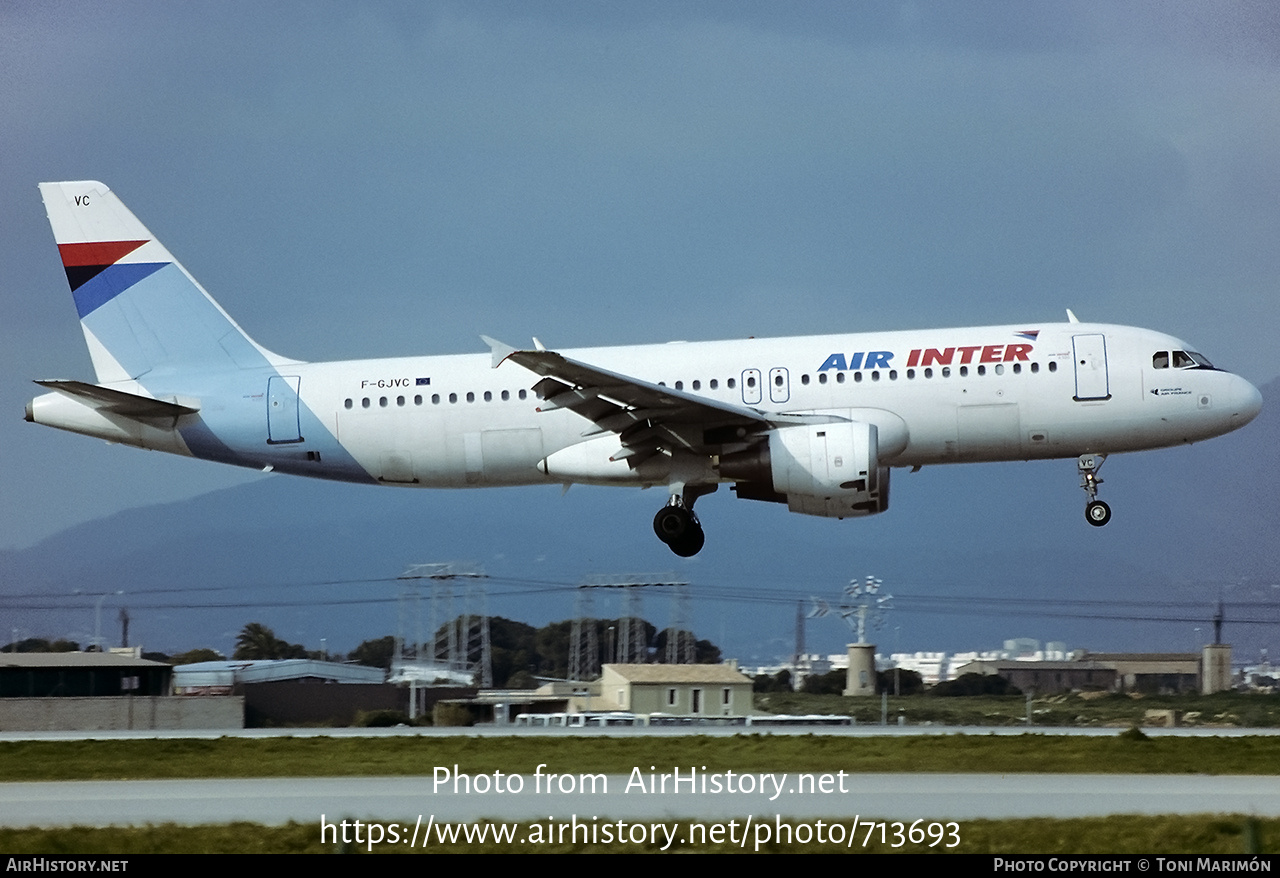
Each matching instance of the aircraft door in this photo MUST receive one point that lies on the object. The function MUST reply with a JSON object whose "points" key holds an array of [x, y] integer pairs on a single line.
{"points": [[752, 392], [1091, 367], [282, 410], [779, 385]]}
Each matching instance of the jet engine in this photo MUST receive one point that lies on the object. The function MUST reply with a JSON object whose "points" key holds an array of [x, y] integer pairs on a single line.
{"points": [[831, 470]]}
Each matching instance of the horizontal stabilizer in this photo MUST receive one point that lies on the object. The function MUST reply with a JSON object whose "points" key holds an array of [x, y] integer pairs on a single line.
{"points": [[118, 401]]}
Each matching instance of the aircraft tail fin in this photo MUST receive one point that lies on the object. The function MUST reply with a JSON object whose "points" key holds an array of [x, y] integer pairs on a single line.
{"points": [[140, 310]]}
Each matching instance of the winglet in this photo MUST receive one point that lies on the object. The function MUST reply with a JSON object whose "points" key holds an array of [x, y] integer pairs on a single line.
{"points": [[1071, 317], [499, 350]]}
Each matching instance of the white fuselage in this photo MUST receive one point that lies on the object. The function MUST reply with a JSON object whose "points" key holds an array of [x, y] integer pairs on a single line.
{"points": [[472, 424]]}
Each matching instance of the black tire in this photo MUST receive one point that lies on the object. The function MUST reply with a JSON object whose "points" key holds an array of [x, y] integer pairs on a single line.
{"points": [[690, 544], [1097, 513], [672, 523]]}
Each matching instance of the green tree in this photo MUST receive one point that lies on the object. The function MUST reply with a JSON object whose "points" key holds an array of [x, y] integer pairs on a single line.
{"points": [[39, 644], [521, 680], [908, 682], [257, 641], [375, 653], [552, 646], [707, 653], [513, 649], [191, 656], [830, 683], [779, 682]]}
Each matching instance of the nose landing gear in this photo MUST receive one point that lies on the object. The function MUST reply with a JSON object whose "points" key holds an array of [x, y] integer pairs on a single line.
{"points": [[1096, 512]]}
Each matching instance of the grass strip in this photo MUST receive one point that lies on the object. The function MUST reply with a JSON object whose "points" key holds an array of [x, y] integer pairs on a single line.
{"points": [[233, 757]]}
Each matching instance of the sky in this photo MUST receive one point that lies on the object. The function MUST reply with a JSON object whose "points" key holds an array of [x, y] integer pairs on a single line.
{"points": [[356, 180]]}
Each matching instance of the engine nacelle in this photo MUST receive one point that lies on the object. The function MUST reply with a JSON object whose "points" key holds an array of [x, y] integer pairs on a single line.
{"points": [[831, 470]]}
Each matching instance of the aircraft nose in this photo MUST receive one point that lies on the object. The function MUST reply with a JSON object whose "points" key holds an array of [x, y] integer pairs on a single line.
{"points": [[1247, 402]]}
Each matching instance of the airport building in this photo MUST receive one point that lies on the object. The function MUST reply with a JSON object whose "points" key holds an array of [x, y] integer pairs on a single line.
{"points": [[99, 691]]}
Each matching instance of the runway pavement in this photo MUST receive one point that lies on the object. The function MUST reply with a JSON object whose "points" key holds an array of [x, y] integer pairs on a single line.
{"points": [[887, 796]]}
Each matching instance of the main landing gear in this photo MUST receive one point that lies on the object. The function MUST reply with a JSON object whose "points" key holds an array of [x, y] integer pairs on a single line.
{"points": [[677, 526], [1096, 512]]}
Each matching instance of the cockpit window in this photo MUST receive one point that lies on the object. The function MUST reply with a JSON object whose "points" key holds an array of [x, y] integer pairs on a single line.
{"points": [[1160, 360], [1190, 360]]}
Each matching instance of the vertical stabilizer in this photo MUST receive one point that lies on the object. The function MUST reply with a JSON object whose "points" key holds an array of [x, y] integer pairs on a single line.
{"points": [[140, 310]]}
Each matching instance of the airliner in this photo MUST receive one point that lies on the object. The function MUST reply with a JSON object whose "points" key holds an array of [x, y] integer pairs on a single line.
{"points": [[816, 423]]}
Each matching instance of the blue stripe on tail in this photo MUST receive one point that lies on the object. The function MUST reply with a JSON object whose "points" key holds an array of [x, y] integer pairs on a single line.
{"points": [[109, 282]]}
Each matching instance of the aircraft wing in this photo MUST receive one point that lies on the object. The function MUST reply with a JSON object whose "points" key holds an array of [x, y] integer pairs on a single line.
{"points": [[648, 417]]}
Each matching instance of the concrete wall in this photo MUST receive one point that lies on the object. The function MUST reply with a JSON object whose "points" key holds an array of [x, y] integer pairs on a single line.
{"points": [[121, 713], [653, 698], [1216, 661], [302, 702], [619, 693]]}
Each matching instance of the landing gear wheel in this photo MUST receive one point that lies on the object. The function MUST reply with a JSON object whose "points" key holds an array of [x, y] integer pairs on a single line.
{"points": [[672, 523], [1097, 513], [679, 528], [691, 544]]}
